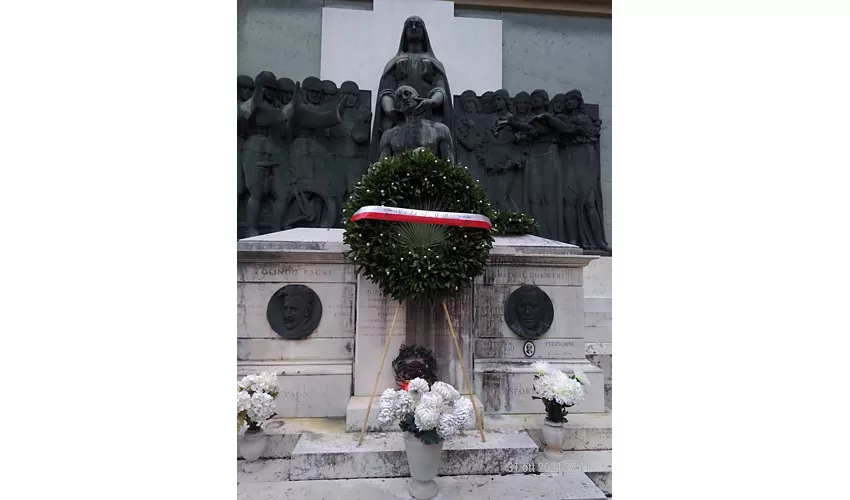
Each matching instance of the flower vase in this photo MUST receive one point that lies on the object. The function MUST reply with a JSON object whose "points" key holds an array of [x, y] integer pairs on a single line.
{"points": [[424, 461], [253, 443], [553, 438]]}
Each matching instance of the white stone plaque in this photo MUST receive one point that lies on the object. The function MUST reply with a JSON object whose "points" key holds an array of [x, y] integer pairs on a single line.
{"points": [[338, 300], [374, 317], [490, 303]]}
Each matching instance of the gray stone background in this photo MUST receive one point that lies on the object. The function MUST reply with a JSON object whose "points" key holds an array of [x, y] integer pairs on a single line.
{"points": [[553, 52]]}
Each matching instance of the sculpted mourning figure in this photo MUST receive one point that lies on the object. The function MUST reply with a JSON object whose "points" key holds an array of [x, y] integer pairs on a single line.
{"points": [[416, 66], [506, 154], [245, 89], [582, 186], [543, 169], [470, 134], [416, 131], [351, 138]]}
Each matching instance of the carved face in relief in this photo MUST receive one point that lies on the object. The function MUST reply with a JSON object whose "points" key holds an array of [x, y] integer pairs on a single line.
{"points": [[521, 104], [312, 87], [352, 99], [529, 312], [245, 88], [407, 97], [287, 89], [487, 102], [329, 91], [528, 309], [572, 100], [414, 30], [350, 94], [538, 99], [294, 311], [500, 103], [469, 106], [558, 104]]}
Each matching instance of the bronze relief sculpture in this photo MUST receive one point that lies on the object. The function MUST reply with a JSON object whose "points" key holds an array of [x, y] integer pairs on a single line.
{"points": [[529, 312], [294, 311]]}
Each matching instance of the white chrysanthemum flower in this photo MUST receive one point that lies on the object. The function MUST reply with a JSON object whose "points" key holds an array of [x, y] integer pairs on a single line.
{"points": [[463, 412], [403, 404], [386, 415], [581, 377], [427, 412], [419, 385], [243, 401], [270, 380], [446, 391], [540, 367], [262, 407], [447, 426]]}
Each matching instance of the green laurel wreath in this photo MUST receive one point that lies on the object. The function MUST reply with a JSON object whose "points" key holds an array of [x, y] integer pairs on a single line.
{"points": [[506, 222], [418, 261]]}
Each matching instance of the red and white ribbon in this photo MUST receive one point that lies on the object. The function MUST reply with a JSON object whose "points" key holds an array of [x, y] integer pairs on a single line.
{"points": [[422, 217]]}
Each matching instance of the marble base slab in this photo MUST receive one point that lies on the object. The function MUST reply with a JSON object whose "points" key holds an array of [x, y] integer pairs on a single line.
{"points": [[512, 487], [337, 301], [322, 456], [307, 389], [505, 386]]}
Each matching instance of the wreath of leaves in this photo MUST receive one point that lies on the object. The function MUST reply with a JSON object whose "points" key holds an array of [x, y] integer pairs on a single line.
{"points": [[506, 222], [418, 261]]}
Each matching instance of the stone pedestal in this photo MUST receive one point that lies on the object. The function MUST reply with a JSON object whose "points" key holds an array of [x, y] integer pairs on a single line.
{"points": [[331, 371], [503, 359], [314, 372]]}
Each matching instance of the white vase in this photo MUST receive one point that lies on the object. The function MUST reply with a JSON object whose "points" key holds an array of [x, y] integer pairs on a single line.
{"points": [[253, 444], [424, 461], [553, 438]]}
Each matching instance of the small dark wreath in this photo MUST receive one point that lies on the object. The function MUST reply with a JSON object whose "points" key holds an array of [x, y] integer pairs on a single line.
{"points": [[418, 261], [415, 361]]}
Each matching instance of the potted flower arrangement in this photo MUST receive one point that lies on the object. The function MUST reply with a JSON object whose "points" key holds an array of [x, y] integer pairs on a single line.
{"points": [[254, 405], [428, 415], [558, 392]]}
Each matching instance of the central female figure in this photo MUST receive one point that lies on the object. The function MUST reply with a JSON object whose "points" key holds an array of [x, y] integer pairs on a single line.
{"points": [[414, 65]]}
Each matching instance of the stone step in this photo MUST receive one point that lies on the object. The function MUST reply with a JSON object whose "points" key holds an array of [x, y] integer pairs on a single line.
{"points": [[596, 464], [575, 486], [584, 431], [335, 456]]}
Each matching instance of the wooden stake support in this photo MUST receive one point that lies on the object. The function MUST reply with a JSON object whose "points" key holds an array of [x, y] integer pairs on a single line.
{"points": [[478, 420]]}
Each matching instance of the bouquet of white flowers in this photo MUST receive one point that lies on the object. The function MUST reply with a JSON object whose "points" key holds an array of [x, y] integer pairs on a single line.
{"points": [[557, 390], [432, 414], [255, 400]]}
